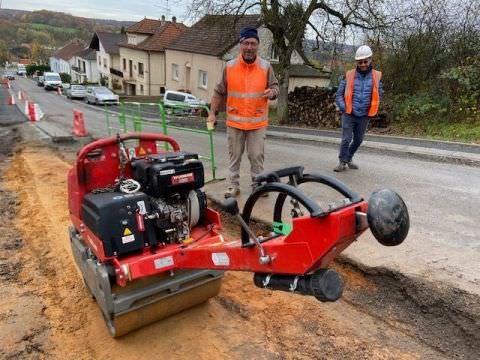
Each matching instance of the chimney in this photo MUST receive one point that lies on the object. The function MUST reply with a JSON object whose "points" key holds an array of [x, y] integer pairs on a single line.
{"points": [[163, 18], [174, 19]]}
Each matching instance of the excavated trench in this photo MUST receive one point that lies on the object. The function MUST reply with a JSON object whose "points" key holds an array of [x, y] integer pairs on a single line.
{"points": [[46, 313]]}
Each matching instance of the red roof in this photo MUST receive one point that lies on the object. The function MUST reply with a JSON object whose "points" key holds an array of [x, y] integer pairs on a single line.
{"points": [[165, 33], [69, 50]]}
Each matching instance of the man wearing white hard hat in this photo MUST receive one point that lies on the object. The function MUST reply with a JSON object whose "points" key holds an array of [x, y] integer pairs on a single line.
{"points": [[358, 98]]}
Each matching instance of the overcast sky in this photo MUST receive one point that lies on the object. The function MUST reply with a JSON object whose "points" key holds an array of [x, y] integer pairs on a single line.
{"points": [[107, 9]]}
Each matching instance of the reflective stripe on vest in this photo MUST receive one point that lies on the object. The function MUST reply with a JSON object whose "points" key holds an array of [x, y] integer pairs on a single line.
{"points": [[247, 108], [350, 83]]}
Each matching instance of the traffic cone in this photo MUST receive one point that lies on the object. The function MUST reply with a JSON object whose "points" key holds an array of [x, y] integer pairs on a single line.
{"points": [[59, 90], [26, 107], [38, 113], [31, 111], [9, 86], [78, 124], [11, 100], [20, 95]]}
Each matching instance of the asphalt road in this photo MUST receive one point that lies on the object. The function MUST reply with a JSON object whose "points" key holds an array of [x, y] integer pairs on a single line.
{"points": [[443, 199]]}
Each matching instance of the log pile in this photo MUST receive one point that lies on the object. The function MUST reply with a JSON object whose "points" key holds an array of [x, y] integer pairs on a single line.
{"points": [[312, 107], [315, 107]]}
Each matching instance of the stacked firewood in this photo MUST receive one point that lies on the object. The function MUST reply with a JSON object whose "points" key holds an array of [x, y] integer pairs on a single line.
{"points": [[315, 107], [312, 107]]}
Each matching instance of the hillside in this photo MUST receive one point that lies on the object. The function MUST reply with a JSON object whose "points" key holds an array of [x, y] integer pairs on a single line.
{"points": [[48, 29]]}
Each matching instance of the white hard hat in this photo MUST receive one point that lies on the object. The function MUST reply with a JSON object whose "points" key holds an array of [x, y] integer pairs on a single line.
{"points": [[363, 52]]}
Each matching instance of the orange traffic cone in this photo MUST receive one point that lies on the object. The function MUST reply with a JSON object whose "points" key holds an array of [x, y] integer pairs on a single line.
{"points": [[59, 90], [78, 124], [11, 100]]}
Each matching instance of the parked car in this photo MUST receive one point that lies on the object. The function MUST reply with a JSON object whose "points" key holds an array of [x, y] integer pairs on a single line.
{"points": [[9, 75], [75, 91], [51, 81], [100, 95], [40, 81], [181, 99]]}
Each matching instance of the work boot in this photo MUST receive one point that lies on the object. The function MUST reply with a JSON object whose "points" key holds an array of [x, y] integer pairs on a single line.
{"points": [[352, 165], [342, 166], [232, 191], [255, 186]]}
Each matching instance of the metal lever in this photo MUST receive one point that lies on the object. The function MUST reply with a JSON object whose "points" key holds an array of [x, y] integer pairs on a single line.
{"points": [[231, 206]]}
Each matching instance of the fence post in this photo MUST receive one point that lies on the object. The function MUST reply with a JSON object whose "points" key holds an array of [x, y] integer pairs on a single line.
{"points": [[109, 128], [122, 118], [161, 110]]}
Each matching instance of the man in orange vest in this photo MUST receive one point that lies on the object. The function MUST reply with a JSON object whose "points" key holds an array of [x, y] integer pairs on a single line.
{"points": [[247, 83], [358, 98]]}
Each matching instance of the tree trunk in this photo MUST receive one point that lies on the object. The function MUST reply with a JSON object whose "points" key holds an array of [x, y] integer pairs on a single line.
{"points": [[282, 102]]}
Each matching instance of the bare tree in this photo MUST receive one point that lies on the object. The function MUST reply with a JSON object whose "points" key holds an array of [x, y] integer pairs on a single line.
{"points": [[289, 21]]}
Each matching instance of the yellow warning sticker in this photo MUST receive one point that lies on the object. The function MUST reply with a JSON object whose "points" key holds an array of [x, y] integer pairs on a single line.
{"points": [[141, 151], [127, 232]]}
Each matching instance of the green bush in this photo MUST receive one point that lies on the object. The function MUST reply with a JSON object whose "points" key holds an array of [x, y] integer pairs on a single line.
{"points": [[66, 78], [39, 69]]}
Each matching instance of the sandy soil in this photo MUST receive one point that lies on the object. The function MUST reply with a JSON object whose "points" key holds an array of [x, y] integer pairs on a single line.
{"points": [[45, 312]]}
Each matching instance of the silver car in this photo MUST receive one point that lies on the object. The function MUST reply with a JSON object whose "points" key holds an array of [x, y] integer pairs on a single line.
{"points": [[76, 91], [100, 95]]}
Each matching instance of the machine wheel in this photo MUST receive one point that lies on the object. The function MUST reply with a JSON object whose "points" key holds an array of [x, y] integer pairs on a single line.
{"points": [[154, 310]]}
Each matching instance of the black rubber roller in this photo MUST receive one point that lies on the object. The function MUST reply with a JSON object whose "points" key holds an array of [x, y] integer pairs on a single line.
{"points": [[323, 284], [387, 217]]}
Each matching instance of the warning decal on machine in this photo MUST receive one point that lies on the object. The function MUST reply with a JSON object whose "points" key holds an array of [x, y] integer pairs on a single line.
{"points": [[127, 232], [163, 262], [142, 209], [128, 239], [220, 259]]}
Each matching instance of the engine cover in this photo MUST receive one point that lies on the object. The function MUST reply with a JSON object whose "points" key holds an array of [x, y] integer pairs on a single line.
{"points": [[112, 217], [166, 174]]}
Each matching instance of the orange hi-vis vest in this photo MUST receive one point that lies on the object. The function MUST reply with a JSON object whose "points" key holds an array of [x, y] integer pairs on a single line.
{"points": [[375, 101], [247, 108]]}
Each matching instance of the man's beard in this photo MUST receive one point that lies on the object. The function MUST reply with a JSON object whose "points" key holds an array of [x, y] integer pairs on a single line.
{"points": [[249, 57]]}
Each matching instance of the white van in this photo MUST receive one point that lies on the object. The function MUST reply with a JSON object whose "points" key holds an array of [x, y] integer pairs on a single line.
{"points": [[181, 99], [51, 80], [21, 70]]}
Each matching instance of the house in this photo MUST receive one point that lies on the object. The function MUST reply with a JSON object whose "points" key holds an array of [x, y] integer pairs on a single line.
{"points": [[85, 68], [142, 55], [108, 58], [302, 75], [195, 61], [63, 59]]}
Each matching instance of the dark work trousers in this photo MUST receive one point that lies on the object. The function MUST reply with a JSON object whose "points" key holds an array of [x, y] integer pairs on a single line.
{"points": [[353, 131]]}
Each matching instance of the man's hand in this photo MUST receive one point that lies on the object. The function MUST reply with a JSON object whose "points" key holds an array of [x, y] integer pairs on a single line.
{"points": [[269, 93], [211, 121]]}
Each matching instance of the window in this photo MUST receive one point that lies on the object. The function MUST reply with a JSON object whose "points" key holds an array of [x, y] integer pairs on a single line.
{"points": [[105, 63], [99, 60], [175, 72], [274, 53], [124, 64], [140, 69], [202, 79], [141, 89]]}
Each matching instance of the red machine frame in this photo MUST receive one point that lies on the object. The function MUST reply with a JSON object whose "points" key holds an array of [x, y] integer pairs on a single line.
{"points": [[312, 244]]}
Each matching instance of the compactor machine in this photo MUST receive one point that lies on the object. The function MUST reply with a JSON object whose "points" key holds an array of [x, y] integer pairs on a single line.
{"points": [[148, 246]]}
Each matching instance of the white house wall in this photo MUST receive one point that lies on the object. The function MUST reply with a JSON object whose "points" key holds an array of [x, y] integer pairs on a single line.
{"points": [[210, 64]]}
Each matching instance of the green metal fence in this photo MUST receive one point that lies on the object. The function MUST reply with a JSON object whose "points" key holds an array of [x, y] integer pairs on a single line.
{"points": [[133, 116]]}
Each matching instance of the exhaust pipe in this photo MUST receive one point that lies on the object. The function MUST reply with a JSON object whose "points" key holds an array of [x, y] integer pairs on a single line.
{"points": [[324, 284]]}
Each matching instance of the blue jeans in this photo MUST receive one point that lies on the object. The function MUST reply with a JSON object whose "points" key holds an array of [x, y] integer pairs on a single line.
{"points": [[353, 132]]}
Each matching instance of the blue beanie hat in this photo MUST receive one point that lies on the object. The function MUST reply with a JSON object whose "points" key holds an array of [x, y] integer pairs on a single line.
{"points": [[248, 32]]}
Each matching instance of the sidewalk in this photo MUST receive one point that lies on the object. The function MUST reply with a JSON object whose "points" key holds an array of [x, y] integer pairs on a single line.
{"points": [[448, 151]]}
